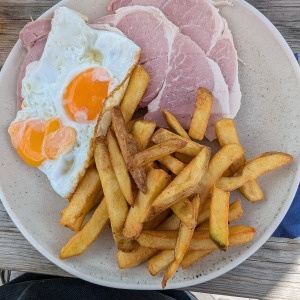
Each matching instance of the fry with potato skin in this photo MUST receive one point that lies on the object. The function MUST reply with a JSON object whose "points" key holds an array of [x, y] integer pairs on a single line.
{"points": [[171, 163], [162, 135], [160, 261], [254, 168], [201, 114], [174, 124], [115, 201], [154, 153], [128, 146], [82, 239], [119, 167], [222, 160], [227, 134], [142, 131], [157, 180], [183, 185], [184, 211], [136, 88], [218, 218], [88, 193]]}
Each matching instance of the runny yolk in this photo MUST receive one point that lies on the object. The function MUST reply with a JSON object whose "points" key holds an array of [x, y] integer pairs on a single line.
{"points": [[85, 94], [37, 140]]}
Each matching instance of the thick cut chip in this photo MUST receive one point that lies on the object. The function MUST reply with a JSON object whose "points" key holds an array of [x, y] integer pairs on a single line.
{"points": [[142, 131]]}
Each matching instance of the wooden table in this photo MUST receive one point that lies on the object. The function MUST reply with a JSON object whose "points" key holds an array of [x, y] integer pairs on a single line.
{"points": [[271, 273]]}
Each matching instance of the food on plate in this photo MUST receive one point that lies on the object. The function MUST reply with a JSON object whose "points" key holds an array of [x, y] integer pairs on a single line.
{"points": [[201, 114], [171, 163], [142, 131], [65, 95], [82, 239], [227, 134], [87, 195], [254, 168], [128, 146], [218, 218], [184, 210]]}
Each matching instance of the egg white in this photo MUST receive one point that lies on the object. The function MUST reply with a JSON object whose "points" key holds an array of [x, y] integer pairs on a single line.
{"points": [[72, 47]]}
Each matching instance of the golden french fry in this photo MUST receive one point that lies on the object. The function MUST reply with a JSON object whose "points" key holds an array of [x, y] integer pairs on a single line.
{"points": [[205, 211], [183, 185], [155, 152], [184, 210], [162, 135], [158, 220], [227, 134], [157, 180], [235, 212], [254, 168], [172, 164], [82, 239], [201, 114], [218, 218], [115, 201], [128, 146], [172, 223], [142, 131], [184, 238], [186, 159], [119, 167], [160, 261], [192, 257], [166, 240], [88, 193], [222, 160], [174, 124], [136, 88]]}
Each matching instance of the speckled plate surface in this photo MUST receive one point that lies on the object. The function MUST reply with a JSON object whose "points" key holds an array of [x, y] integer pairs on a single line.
{"points": [[268, 120]]}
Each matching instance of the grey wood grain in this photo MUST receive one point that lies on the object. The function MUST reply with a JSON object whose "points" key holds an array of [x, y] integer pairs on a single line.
{"points": [[271, 273]]}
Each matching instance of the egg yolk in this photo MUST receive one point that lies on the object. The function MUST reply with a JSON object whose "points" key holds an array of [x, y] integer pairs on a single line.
{"points": [[37, 140], [85, 94]]}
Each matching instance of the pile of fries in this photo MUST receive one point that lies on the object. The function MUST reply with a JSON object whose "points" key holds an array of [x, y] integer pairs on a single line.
{"points": [[166, 198]]}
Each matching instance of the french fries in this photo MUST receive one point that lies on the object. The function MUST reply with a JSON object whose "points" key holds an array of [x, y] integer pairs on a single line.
{"points": [[201, 114], [162, 135], [136, 88], [255, 168], [160, 261], [174, 124], [184, 210], [166, 240], [227, 134], [128, 146], [119, 167], [142, 131], [183, 185], [192, 257], [218, 219], [171, 163], [87, 195], [154, 153], [157, 180], [115, 201], [82, 239]]}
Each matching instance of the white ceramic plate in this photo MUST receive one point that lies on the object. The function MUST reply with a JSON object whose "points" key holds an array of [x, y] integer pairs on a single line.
{"points": [[268, 120]]}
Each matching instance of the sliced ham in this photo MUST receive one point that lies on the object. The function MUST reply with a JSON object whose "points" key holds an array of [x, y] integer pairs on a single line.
{"points": [[201, 21]]}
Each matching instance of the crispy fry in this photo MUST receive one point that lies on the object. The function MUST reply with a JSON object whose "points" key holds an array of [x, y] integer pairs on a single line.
{"points": [[155, 152], [157, 180], [158, 220], [115, 201], [160, 261], [87, 195], [192, 257], [162, 135], [184, 210], [166, 240], [204, 214], [174, 124], [128, 147], [201, 114], [183, 185], [227, 134], [136, 88], [172, 223], [184, 238], [186, 159], [82, 239], [218, 218], [142, 131], [119, 167], [218, 164], [171, 163], [254, 168]]}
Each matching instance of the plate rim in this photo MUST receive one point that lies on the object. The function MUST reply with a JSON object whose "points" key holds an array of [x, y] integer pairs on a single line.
{"points": [[215, 274]]}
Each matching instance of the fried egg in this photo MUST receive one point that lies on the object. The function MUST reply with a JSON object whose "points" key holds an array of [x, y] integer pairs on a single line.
{"points": [[81, 74]]}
